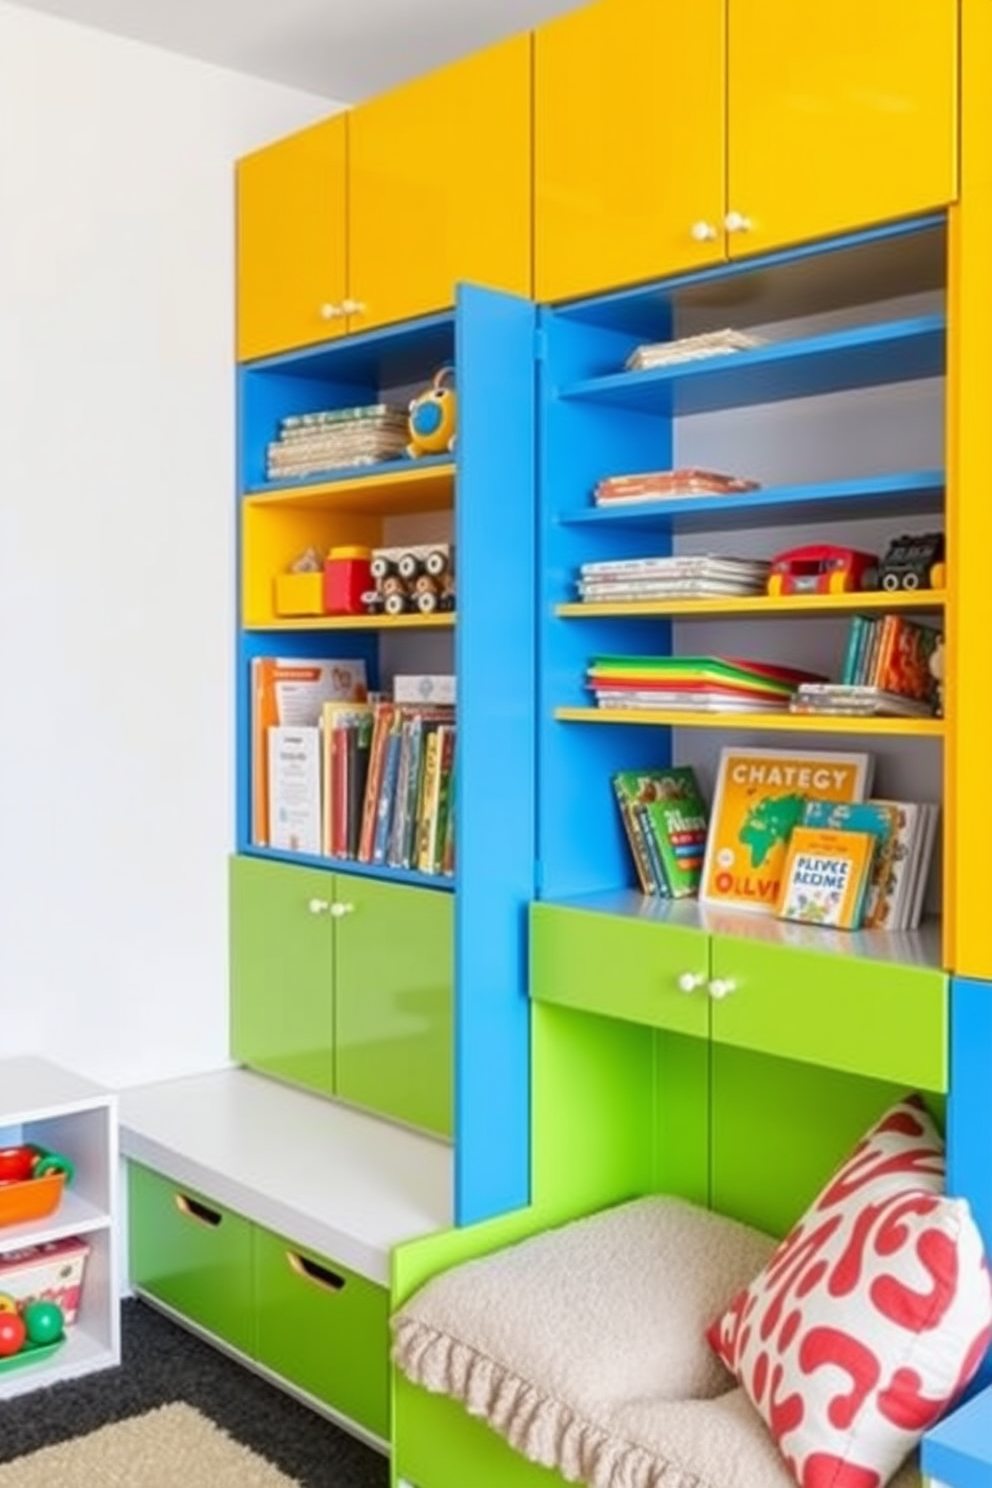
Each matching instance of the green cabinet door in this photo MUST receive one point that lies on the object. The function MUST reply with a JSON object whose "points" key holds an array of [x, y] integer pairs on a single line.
{"points": [[324, 1329], [844, 1012], [644, 970], [282, 971], [393, 991], [191, 1254]]}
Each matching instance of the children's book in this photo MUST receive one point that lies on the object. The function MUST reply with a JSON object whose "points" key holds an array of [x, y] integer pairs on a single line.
{"points": [[826, 876], [294, 789], [670, 809], [759, 799], [881, 819]]}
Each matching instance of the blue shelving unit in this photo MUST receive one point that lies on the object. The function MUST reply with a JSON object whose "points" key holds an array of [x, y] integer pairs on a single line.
{"points": [[491, 339]]}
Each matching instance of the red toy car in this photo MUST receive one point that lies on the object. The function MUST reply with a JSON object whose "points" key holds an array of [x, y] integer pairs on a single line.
{"points": [[821, 568]]}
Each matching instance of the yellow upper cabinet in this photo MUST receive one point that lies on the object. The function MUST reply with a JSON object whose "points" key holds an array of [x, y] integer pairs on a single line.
{"points": [[291, 252], [629, 99], [842, 113], [439, 187]]}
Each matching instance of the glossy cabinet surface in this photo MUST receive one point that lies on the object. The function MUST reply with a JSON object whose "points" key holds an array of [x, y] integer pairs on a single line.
{"points": [[880, 1019], [191, 1254], [282, 971], [393, 974], [291, 240], [840, 114], [323, 1328], [621, 967], [629, 143], [439, 187]]}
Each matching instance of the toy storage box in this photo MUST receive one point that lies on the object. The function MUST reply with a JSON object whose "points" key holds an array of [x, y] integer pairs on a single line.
{"points": [[51, 1273]]}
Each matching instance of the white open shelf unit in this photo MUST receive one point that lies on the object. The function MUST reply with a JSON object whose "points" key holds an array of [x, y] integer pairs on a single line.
{"points": [[42, 1103]]}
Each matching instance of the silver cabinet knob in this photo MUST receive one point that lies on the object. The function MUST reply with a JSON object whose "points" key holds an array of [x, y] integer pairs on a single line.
{"points": [[734, 222], [691, 981], [703, 232], [721, 987]]}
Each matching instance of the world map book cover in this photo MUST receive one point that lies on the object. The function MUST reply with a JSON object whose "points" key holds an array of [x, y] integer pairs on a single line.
{"points": [[759, 799]]}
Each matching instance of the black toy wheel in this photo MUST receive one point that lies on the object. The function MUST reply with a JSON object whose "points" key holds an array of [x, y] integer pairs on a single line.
{"points": [[427, 602], [382, 567], [409, 566], [890, 581], [436, 563], [911, 581], [396, 604]]}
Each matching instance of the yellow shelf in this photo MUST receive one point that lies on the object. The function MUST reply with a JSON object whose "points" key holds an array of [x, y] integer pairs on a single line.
{"points": [[763, 605], [794, 723], [408, 487], [359, 622]]}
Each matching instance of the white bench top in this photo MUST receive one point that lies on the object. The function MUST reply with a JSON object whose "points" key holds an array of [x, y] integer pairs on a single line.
{"points": [[342, 1183]]}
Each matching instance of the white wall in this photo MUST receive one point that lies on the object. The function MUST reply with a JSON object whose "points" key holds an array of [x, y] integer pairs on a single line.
{"points": [[116, 541]]}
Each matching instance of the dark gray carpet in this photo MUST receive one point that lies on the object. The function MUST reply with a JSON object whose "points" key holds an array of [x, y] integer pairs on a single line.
{"points": [[163, 1363]]}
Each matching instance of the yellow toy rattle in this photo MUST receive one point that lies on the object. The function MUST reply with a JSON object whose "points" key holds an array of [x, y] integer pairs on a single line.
{"points": [[432, 416]]}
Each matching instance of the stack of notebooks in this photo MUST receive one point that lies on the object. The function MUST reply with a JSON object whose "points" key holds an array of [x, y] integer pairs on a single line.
{"points": [[690, 348], [312, 442], [667, 485], [885, 672], [693, 684], [859, 865], [703, 577], [664, 817]]}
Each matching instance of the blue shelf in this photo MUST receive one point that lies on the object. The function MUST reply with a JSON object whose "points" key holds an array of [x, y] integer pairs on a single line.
{"points": [[959, 1449], [342, 474], [348, 865], [862, 356], [911, 493]]}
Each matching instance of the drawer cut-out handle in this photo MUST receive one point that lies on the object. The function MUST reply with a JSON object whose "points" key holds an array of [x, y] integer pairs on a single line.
{"points": [[313, 1271], [193, 1209]]}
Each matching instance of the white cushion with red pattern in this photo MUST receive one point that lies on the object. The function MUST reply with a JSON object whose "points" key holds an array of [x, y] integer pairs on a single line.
{"points": [[871, 1316]]}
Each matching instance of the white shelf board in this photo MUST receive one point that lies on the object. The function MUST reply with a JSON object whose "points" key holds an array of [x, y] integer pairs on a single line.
{"points": [[340, 1182], [81, 1354], [74, 1216], [920, 947], [34, 1090]]}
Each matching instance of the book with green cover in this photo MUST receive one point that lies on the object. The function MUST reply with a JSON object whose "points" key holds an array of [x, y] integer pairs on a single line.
{"points": [[670, 806]]}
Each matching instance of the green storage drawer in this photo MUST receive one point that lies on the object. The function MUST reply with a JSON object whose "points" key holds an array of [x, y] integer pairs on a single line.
{"points": [[621, 967], [324, 1329], [192, 1254]]}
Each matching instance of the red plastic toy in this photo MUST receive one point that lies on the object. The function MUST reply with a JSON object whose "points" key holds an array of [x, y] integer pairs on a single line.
{"points": [[822, 568]]}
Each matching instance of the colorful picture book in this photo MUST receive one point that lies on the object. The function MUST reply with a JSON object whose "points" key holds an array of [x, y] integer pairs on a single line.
{"points": [[759, 799], [668, 485], [886, 670], [693, 684], [290, 692], [408, 808], [905, 833], [826, 877], [664, 817]]}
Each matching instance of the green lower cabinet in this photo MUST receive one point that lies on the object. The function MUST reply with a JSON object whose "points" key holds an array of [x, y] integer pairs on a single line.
{"points": [[644, 970], [324, 1329], [393, 1001], [192, 1255], [872, 1018], [282, 971]]}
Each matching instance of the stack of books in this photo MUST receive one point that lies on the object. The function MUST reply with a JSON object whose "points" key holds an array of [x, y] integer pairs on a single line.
{"points": [[859, 865], [693, 684], [638, 579], [309, 443], [667, 485], [407, 817], [664, 817], [690, 348], [886, 672]]}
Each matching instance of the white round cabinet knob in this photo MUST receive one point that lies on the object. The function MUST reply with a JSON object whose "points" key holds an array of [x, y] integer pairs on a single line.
{"points": [[689, 981], [721, 987], [331, 312], [339, 910], [318, 906], [703, 232], [353, 307], [734, 222]]}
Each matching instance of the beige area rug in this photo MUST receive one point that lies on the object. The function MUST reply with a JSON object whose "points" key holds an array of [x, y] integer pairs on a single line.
{"points": [[171, 1447]]}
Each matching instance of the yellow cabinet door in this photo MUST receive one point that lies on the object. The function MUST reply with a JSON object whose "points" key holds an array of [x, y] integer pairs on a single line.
{"points": [[629, 143], [292, 241], [439, 187], [841, 113]]}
